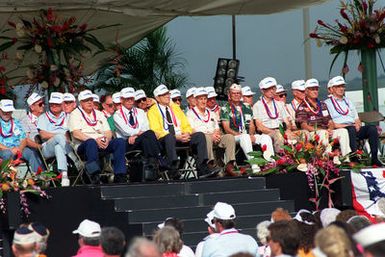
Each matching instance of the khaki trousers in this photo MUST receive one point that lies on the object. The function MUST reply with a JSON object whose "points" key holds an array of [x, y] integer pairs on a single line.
{"points": [[227, 142]]}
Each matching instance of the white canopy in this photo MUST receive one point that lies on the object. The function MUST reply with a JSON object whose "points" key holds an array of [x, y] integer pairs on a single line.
{"points": [[139, 17]]}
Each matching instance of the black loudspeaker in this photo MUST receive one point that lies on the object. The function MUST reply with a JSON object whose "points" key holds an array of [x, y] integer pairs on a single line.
{"points": [[226, 74]]}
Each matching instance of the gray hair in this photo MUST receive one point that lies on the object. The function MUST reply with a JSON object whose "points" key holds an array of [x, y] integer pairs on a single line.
{"points": [[263, 231], [138, 244]]}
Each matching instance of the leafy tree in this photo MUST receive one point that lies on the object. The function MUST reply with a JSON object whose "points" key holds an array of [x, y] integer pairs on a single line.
{"points": [[149, 63]]}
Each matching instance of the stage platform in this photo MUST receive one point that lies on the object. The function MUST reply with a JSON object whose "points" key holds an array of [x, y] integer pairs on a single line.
{"points": [[137, 208]]}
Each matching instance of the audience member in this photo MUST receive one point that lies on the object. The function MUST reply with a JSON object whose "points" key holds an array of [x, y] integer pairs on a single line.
{"points": [[332, 241], [42, 234], [345, 215], [284, 238], [308, 228], [108, 109], [89, 239], [211, 230], [372, 239], [168, 241], [230, 240], [358, 222], [142, 101], [248, 96], [24, 243], [142, 247], [280, 214], [328, 215], [263, 235], [113, 242], [92, 134]]}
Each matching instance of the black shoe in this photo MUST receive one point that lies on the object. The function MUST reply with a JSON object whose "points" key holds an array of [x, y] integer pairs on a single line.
{"points": [[120, 178], [206, 172], [95, 178]]}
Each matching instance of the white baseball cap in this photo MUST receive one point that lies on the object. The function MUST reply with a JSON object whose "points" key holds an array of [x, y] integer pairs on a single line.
{"points": [[127, 92], [280, 89], [336, 81], [88, 228], [68, 97], [224, 211], [85, 94], [116, 98], [267, 82], [160, 90], [33, 98], [298, 85], [6, 105], [56, 98], [96, 98], [139, 94], [190, 92], [175, 93], [246, 91], [211, 92], [370, 235], [311, 83], [209, 219], [235, 87], [200, 91]]}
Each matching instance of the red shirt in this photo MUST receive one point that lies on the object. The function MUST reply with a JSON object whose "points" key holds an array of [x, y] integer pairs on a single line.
{"points": [[90, 251], [313, 116]]}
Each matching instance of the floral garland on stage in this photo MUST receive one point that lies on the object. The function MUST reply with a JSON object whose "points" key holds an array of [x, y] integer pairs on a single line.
{"points": [[321, 163], [55, 46], [12, 181], [361, 26]]}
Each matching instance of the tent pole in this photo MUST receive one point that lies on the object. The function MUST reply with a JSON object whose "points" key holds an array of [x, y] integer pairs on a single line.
{"points": [[307, 45]]}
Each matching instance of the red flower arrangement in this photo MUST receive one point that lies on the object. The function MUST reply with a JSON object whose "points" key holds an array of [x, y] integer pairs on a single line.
{"points": [[60, 45]]}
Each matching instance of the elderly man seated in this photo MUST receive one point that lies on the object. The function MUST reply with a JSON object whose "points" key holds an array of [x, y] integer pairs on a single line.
{"points": [[52, 126], [171, 127], [69, 103], [204, 120], [344, 114], [92, 135], [313, 116], [13, 138]]}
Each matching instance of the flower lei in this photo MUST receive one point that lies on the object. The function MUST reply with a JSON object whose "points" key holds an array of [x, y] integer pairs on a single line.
{"points": [[315, 112], [52, 119], [267, 109], [338, 108], [216, 107], [126, 119], [165, 122], [198, 116], [293, 105], [32, 118], [235, 119], [90, 122], [10, 133]]}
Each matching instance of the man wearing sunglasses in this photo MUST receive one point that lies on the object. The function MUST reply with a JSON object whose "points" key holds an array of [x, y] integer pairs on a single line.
{"points": [[344, 114], [172, 128], [108, 109], [13, 143], [280, 94], [176, 97], [92, 135], [141, 100], [53, 129], [36, 108], [313, 116]]}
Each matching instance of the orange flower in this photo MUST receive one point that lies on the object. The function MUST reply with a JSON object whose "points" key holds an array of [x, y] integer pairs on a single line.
{"points": [[5, 187], [309, 146]]}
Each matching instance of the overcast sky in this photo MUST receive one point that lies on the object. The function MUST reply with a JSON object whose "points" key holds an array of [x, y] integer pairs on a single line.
{"points": [[267, 45]]}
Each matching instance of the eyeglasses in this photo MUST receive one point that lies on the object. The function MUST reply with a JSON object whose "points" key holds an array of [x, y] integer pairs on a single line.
{"points": [[40, 104], [177, 99], [282, 96], [313, 88]]}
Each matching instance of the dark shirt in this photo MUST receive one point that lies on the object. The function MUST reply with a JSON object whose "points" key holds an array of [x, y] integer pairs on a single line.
{"points": [[317, 117]]}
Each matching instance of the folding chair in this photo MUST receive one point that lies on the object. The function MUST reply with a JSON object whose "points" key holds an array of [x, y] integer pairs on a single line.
{"points": [[188, 165]]}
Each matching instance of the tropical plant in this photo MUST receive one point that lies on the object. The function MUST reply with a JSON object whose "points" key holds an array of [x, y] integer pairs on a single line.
{"points": [[55, 46], [150, 62]]}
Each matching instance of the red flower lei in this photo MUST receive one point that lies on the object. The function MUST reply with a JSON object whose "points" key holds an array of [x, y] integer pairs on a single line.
{"points": [[91, 123], [267, 109], [10, 133], [338, 108], [197, 114]]}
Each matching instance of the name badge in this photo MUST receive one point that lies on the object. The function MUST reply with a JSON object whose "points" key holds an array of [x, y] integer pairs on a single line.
{"points": [[325, 113]]}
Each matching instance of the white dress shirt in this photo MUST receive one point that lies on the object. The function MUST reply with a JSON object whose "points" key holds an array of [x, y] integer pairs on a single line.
{"points": [[123, 127]]}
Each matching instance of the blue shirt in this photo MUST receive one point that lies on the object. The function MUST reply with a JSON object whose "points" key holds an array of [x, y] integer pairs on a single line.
{"points": [[48, 122], [16, 135], [229, 242], [343, 105]]}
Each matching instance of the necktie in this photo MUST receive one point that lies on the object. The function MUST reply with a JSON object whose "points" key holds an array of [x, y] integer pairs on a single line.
{"points": [[169, 121], [131, 119]]}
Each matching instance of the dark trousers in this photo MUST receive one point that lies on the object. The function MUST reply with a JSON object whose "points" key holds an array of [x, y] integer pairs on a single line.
{"points": [[197, 144], [366, 132], [147, 143], [116, 147]]}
